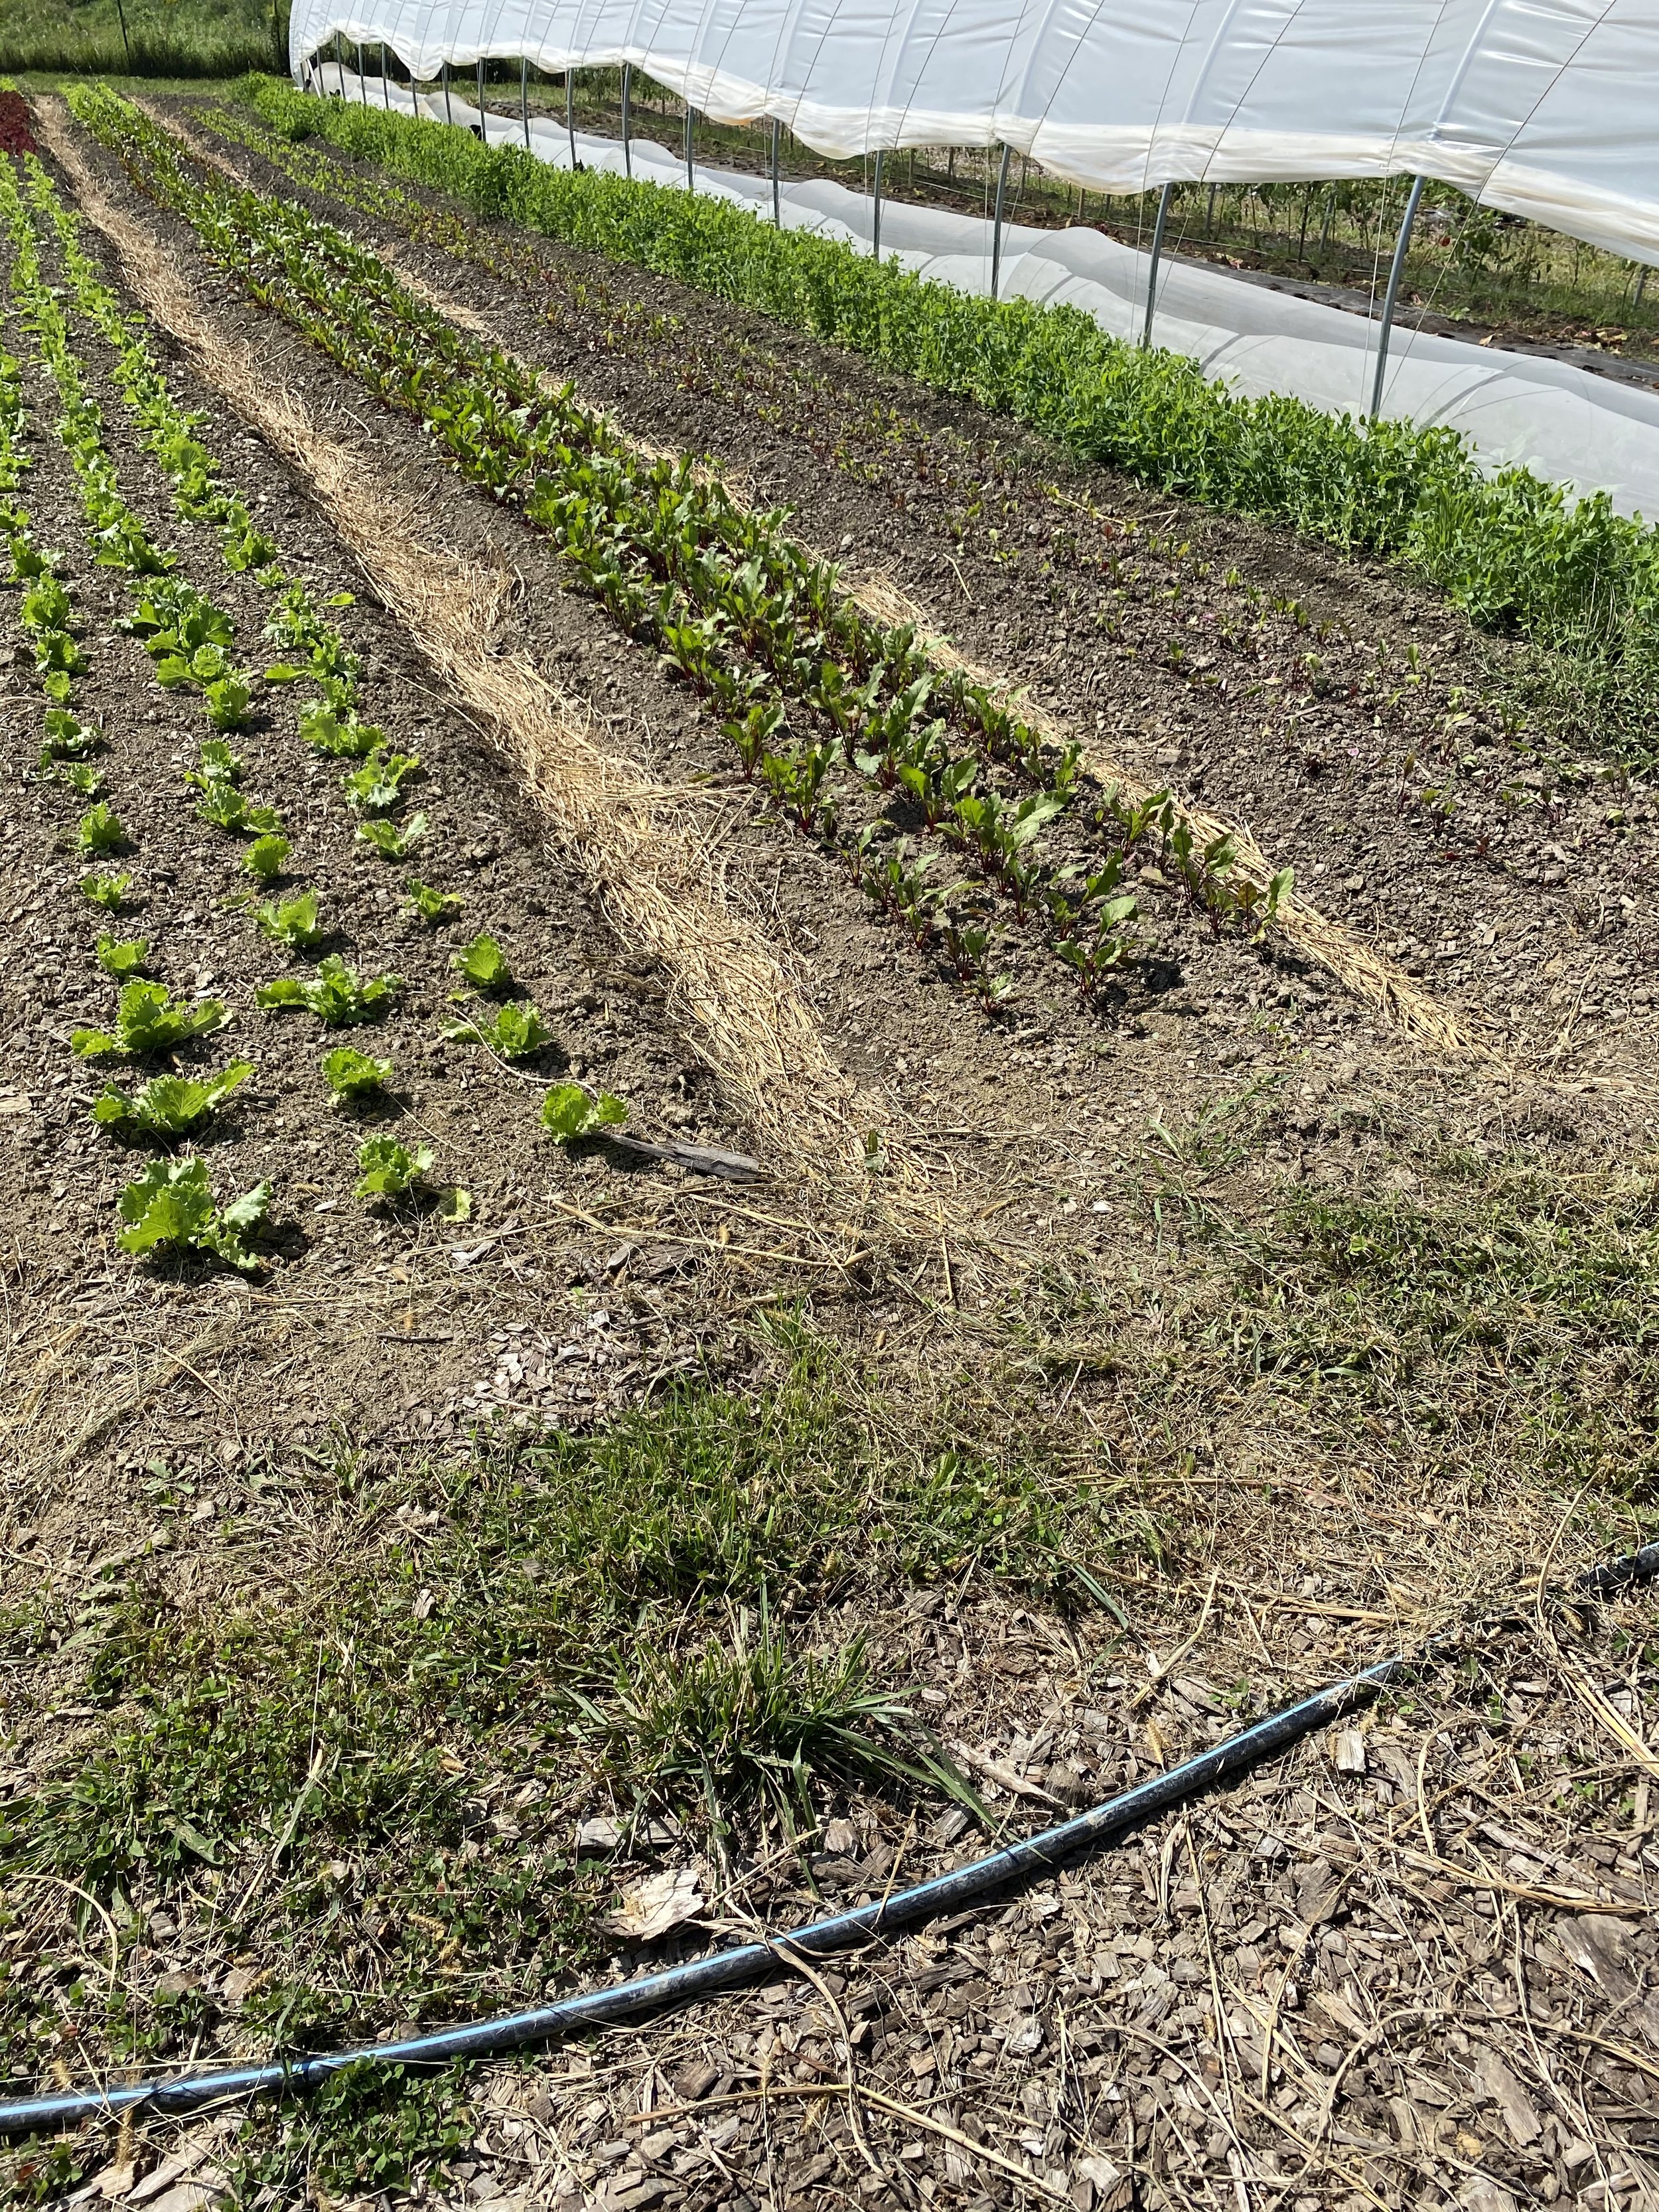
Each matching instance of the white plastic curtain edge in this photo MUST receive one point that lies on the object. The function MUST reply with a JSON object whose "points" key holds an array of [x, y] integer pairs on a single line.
{"points": [[1541, 108]]}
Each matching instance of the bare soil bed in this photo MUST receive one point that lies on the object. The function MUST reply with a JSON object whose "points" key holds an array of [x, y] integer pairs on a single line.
{"points": [[366, 1622]]}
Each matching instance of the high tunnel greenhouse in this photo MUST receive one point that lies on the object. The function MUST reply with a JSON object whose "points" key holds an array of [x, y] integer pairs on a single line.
{"points": [[1538, 108]]}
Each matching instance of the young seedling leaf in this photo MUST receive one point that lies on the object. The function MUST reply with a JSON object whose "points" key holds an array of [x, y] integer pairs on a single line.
{"points": [[430, 906], [516, 1031], [351, 1074], [484, 964], [100, 832], [265, 857], [170, 1204], [390, 843], [568, 1113], [122, 958], [335, 994], [293, 922], [106, 892], [390, 1170], [168, 1105]]}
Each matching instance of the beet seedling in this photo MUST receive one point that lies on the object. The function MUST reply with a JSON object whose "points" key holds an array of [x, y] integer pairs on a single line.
{"points": [[106, 892], [335, 994], [99, 833], [352, 1075], [516, 1031], [390, 843], [167, 1105], [293, 922], [484, 964], [148, 1019], [122, 958], [170, 1204], [569, 1113], [390, 1169]]}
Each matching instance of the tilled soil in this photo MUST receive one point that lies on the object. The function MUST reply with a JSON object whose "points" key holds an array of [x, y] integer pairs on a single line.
{"points": [[1353, 723], [1413, 1963]]}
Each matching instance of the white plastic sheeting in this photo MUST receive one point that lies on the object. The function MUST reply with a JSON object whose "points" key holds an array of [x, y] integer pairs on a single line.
{"points": [[1543, 108], [1570, 426]]}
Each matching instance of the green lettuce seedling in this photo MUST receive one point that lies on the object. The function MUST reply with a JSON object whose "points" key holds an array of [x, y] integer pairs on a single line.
{"points": [[220, 763], [430, 906], [335, 995], [122, 957], [228, 808], [568, 1112], [343, 736], [82, 778], [484, 964], [377, 787], [149, 1020], [67, 738], [100, 832], [265, 857], [389, 1169], [351, 1074], [390, 843], [106, 891], [293, 922], [167, 1105], [515, 1032], [170, 1204]]}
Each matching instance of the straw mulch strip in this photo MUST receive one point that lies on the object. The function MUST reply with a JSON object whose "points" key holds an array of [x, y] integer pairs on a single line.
{"points": [[648, 847]]}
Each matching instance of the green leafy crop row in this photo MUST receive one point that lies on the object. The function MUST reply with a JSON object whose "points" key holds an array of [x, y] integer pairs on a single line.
{"points": [[189, 641], [744, 614], [1509, 548]]}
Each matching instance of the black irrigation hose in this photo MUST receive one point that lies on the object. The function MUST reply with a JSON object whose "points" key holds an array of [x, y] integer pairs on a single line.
{"points": [[966, 1886]]}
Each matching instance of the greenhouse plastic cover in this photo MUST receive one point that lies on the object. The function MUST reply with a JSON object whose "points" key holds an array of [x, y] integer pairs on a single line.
{"points": [[1570, 425], [1543, 108]]}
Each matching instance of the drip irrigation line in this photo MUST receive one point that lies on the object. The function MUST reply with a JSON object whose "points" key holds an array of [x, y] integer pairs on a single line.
{"points": [[964, 1888]]}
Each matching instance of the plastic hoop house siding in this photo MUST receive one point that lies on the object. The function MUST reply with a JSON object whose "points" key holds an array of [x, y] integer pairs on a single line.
{"points": [[1544, 108]]}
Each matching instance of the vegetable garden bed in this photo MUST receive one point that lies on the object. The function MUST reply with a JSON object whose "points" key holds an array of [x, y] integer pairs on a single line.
{"points": [[428, 1522]]}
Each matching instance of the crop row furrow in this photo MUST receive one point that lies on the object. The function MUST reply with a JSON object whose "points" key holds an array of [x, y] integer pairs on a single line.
{"points": [[804, 680], [189, 641]]}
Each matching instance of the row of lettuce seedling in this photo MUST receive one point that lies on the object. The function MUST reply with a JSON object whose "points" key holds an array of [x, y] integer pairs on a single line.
{"points": [[808, 685], [190, 643]]}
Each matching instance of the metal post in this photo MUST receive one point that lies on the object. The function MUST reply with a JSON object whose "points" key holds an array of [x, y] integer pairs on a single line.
{"points": [[875, 241], [628, 145], [691, 173], [362, 80], [524, 99], [483, 127], [996, 226], [1164, 200], [385, 79], [1390, 298], [443, 71], [777, 207], [570, 115]]}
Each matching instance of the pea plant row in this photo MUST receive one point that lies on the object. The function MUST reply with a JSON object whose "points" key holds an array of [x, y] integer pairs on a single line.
{"points": [[835, 715], [191, 644]]}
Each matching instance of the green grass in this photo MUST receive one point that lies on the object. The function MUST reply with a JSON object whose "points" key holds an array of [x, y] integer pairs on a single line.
{"points": [[1509, 1288], [1578, 580], [318, 1778], [177, 39]]}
